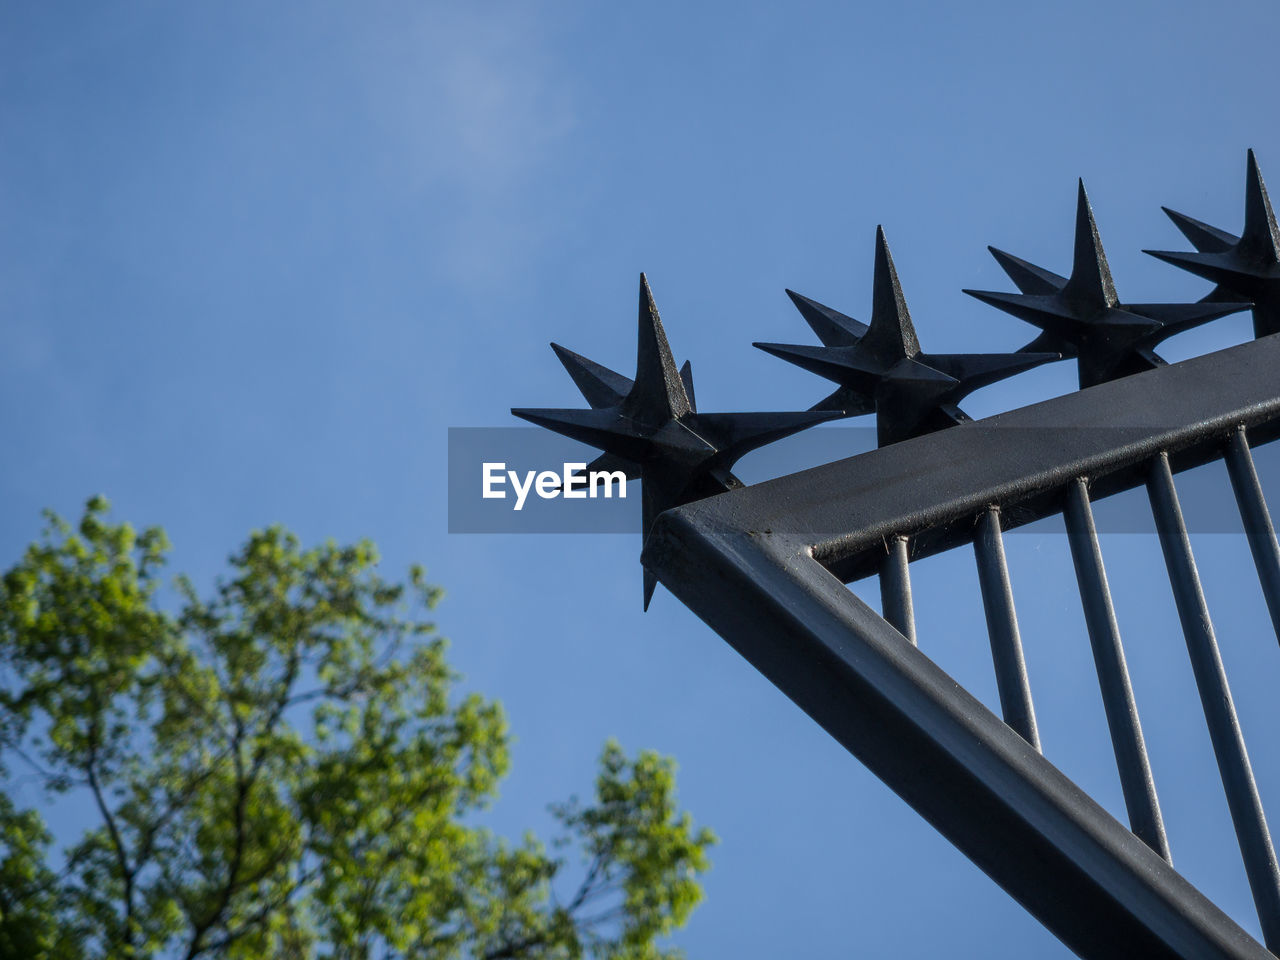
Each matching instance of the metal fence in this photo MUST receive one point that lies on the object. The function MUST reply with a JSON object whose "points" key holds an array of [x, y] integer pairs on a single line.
{"points": [[766, 566]]}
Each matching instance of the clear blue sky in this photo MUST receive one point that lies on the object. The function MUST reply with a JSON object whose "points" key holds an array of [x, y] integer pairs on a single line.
{"points": [[256, 259]]}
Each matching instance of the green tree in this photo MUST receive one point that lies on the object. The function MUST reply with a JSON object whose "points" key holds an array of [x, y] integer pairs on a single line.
{"points": [[280, 769]]}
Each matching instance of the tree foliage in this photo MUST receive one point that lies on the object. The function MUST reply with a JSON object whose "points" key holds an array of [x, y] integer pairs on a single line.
{"points": [[282, 769]]}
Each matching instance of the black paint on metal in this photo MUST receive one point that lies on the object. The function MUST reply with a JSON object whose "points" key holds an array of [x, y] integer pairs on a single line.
{"points": [[1082, 315], [1002, 629], [1246, 267], [1257, 521], [1132, 763], [763, 566], [933, 488], [1095, 885], [880, 368], [649, 428], [1215, 696], [895, 588]]}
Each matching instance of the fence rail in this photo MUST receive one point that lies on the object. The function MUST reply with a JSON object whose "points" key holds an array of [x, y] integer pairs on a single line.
{"points": [[765, 566]]}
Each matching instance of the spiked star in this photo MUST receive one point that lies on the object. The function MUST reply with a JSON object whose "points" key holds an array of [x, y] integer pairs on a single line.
{"points": [[650, 428], [1082, 316], [1246, 267], [881, 367]]}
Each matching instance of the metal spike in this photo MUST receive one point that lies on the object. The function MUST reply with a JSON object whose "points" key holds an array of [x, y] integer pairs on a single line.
{"points": [[1178, 317], [1217, 267], [599, 386], [1247, 268], [1050, 343], [850, 402], [686, 377], [891, 336], [976, 370], [649, 510], [609, 463], [1090, 280], [603, 428], [740, 433], [658, 392], [837, 364], [1027, 277], [884, 369], [650, 430], [1050, 313], [1085, 319], [833, 328], [1261, 237], [1204, 238]]}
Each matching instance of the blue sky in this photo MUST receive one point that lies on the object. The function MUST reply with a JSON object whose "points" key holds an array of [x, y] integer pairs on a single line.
{"points": [[257, 259]]}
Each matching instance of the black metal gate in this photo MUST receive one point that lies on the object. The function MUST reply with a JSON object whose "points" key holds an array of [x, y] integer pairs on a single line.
{"points": [[766, 566]]}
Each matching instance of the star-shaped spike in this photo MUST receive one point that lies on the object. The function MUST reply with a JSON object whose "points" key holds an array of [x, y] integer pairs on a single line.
{"points": [[1246, 267], [1081, 316], [882, 369], [602, 387], [651, 426]]}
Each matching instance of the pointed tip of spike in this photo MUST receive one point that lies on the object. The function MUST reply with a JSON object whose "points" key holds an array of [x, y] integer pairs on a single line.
{"points": [[1202, 236], [993, 297], [646, 294], [656, 390], [882, 243], [1261, 236], [1027, 277], [1090, 275], [891, 335], [650, 584], [799, 300], [1084, 208]]}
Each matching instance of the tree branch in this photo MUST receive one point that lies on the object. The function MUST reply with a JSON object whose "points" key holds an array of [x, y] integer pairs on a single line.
{"points": [[117, 841]]}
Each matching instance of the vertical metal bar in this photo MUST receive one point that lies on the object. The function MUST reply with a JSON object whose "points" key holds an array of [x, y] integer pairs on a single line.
{"points": [[1113, 674], [1257, 521], [1215, 697], [895, 589], [1002, 629]]}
